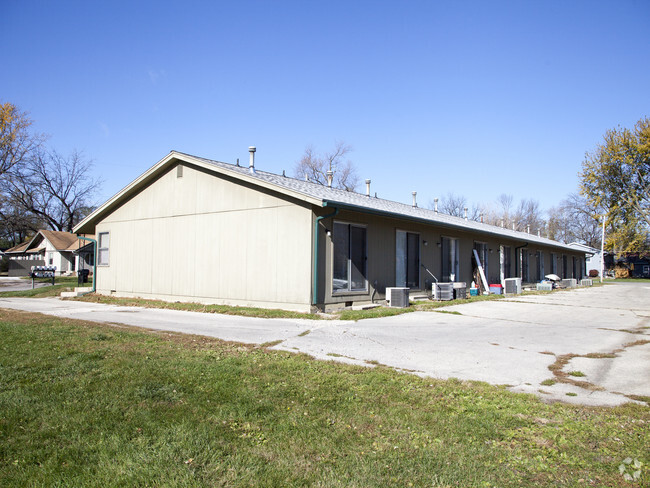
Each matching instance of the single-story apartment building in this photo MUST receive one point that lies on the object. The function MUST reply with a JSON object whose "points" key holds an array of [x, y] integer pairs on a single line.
{"points": [[194, 229], [48, 248]]}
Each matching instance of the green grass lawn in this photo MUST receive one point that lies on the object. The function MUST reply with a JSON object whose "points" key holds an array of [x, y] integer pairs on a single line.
{"points": [[84, 404]]}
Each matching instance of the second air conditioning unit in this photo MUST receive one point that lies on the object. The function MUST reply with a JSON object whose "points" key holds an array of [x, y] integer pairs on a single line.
{"points": [[569, 283], [443, 291], [397, 297], [512, 286]]}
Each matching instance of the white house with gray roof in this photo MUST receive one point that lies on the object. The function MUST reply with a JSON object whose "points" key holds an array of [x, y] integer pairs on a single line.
{"points": [[194, 229]]}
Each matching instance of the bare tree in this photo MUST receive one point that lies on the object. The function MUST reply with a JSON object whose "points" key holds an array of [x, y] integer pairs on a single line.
{"points": [[575, 220], [316, 166], [16, 142], [526, 217], [16, 224], [57, 189], [455, 205]]}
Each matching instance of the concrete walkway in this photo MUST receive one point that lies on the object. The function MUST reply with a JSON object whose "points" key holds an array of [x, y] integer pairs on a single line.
{"points": [[601, 332]]}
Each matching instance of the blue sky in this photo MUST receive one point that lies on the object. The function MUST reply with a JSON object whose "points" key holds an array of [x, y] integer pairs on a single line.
{"points": [[477, 98]]}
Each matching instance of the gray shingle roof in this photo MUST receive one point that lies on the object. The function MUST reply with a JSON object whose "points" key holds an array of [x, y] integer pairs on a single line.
{"points": [[332, 196]]}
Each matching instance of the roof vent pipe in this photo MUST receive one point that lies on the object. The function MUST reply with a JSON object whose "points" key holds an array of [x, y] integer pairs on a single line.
{"points": [[415, 204], [513, 226], [501, 223], [539, 232], [435, 205], [481, 218], [465, 213], [251, 164], [330, 178], [368, 188], [528, 229]]}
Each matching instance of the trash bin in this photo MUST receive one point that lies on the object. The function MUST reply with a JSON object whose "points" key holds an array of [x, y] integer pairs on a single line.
{"points": [[82, 276]]}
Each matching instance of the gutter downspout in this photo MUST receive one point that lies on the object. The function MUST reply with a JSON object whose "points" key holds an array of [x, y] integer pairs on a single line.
{"points": [[314, 290], [94, 262]]}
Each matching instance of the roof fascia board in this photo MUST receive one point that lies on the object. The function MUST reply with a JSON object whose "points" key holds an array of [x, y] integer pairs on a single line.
{"points": [[168, 160], [384, 213]]}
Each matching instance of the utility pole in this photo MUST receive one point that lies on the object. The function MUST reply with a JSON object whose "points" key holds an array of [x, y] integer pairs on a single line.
{"points": [[602, 251]]}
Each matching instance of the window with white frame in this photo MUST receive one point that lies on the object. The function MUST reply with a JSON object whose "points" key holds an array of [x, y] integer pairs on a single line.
{"points": [[102, 249], [350, 257]]}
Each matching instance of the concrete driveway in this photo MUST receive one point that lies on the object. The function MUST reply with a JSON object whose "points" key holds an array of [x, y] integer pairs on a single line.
{"points": [[19, 284], [603, 333]]}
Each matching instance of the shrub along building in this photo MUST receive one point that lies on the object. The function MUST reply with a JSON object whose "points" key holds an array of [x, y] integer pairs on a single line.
{"points": [[193, 229]]}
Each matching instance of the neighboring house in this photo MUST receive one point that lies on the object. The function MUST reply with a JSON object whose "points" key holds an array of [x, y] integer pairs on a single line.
{"points": [[638, 263], [593, 257], [48, 248], [193, 229]]}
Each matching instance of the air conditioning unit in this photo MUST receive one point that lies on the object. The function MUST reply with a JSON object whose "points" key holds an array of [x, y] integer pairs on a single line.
{"points": [[443, 291], [512, 286], [586, 282], [397, 297], [544, 286], [460, 290], [569, 283]]}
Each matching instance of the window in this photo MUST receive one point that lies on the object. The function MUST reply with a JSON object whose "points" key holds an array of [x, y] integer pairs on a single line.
{"points": [[574, 267], [565, 269], [523, 256], [540, 265], [553, 263], [482, 251], [450, 259], [407, 259], [349, 272], [102, 253]]}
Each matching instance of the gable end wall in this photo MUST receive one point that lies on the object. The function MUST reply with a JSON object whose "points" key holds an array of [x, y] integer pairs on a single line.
{"points": [[206, 238]]}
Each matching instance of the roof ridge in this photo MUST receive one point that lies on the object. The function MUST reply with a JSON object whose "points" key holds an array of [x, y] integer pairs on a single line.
{"points": [[363, 201]]}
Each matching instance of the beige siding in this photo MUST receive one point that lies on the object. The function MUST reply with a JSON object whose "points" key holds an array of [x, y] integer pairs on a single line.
{"points": [[204, 238]]}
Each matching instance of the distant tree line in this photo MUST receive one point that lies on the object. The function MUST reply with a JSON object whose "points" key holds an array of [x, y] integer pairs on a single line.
{"points": [[614, 186], [39, 188]]}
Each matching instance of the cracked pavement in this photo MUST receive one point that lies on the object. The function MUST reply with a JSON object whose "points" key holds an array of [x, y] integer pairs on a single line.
{"points": [[605, 331]]}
